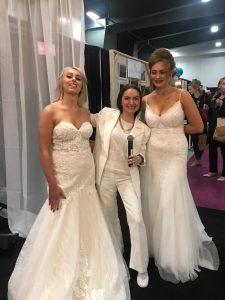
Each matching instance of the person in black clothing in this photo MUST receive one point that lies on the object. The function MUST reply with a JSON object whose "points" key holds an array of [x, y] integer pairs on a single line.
{"points": [[201, 100], [216, 110]]}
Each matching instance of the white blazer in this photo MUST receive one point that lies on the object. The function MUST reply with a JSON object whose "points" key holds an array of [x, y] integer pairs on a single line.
{"points": [[104, 121]]}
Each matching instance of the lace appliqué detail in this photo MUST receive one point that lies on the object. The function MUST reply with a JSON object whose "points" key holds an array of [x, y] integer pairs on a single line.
{"points": [[82, 289], [66, 137]]}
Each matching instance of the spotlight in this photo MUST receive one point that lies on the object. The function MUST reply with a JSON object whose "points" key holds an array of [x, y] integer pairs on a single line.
{"points": [[214, 28], [218, 44], [96, 18]]}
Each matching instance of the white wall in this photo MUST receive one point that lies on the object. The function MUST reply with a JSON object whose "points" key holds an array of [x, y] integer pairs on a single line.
{"points": [[208, 69]]}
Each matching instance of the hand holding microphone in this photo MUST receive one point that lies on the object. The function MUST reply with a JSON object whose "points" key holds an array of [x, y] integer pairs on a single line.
{"points": [[130, 146], [132, 159]]}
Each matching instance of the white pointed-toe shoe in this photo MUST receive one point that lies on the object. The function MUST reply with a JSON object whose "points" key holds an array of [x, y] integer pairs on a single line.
{"points": [[142, 279]]}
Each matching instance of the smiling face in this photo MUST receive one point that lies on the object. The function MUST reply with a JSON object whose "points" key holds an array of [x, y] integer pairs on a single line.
{"points": [[130, 101], [72, 82], [160, 74]]}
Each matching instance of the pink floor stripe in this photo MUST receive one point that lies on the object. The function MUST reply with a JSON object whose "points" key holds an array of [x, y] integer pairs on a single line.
{"points": [[207, 192]]}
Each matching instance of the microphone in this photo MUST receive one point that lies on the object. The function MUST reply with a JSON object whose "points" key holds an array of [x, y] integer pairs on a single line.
{"points": [[130, 145]]}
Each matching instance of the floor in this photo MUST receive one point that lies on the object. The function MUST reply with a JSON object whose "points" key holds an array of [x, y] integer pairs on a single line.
{"points": [[208, 286]]}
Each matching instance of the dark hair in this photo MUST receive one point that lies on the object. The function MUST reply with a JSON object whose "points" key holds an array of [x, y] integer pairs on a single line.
{"points": [[120, 96], [162, 54]]}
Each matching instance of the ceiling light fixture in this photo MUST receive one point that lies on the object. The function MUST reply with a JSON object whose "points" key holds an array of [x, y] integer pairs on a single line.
{"points": [[214, 28], [205, 1], [218, 44], [102, 22], [94, 17], [175, 54]]}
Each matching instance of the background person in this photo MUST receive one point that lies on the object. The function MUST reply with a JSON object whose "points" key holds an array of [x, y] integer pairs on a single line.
{"points": [[201, 100], [216, 110]]}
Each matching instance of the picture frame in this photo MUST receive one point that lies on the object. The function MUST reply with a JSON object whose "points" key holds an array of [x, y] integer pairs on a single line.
{"points": [[143, 75], [134, 81], [121, 86], [122, 71]]}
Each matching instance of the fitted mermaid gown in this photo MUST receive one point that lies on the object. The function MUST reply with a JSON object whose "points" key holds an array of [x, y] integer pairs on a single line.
{"points": [[176, 236], [70, 254]]}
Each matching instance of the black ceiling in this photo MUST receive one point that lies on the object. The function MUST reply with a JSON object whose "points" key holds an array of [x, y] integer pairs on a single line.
{"points": [[144, 25]]}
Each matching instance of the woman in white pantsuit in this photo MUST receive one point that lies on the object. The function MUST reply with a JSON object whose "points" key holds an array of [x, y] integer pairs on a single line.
{"points": [[114, 174]]}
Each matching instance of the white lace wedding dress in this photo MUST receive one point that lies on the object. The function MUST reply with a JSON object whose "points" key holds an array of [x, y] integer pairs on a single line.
{"points": [[176, 236], [69, 254]]}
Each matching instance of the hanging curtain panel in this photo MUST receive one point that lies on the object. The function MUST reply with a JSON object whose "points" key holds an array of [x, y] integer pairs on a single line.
{"points": [[40, 37]]}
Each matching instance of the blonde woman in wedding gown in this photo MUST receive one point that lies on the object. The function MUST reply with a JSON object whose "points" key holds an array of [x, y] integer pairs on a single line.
{"points": [[176, 236], [69, 253]]}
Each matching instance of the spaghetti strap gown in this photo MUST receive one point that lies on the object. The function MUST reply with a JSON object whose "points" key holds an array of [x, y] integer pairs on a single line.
{"points": [[70, 254], [176, 236]]}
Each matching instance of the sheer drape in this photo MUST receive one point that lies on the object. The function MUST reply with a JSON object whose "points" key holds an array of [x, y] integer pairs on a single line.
{"points": [[38, 39]]}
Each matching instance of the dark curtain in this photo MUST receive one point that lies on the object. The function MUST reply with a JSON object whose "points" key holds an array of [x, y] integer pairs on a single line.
{"points": [[98, 77], [92, 70], [105, 72]]}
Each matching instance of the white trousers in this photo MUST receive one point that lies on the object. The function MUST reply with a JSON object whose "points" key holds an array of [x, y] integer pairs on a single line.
{"points": [[110, 183]]}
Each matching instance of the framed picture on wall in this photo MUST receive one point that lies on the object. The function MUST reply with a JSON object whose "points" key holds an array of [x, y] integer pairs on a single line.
{"points": [[143, 75], [134, 81], [184, 84], [122, 85], [143, 89], [122, 71]]}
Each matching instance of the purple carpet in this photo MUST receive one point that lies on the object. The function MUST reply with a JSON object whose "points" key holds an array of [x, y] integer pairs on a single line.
{"points": [[207, 191]]}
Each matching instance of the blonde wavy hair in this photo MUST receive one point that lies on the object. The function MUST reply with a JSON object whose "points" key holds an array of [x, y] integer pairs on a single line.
{"points": [[59, 92], [196, 84]]}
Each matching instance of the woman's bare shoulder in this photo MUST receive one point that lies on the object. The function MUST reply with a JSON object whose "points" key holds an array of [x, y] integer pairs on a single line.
{"points": [[147, 98], [184, 96], [52, 106]]}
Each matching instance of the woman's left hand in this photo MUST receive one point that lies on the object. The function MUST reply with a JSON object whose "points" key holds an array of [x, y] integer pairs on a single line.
{"points": [[219, 102], [135, 160]]}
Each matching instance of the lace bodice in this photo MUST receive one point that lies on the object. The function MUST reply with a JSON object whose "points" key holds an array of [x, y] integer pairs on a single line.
{"points": [[172, 118], [66, 137], [167, 131]]}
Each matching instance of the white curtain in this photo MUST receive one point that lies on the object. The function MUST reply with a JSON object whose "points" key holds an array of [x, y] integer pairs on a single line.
{"points": [[38, 39]]}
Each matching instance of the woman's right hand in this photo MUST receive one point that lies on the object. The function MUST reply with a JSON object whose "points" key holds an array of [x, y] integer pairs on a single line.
{"points": [[56, 194]]}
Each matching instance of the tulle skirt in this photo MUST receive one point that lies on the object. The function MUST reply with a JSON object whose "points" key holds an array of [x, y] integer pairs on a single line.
{"points": [[176, 236], [71, 254]]}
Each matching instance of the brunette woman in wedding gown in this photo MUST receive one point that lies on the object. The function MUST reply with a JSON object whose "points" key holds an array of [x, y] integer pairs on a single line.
{"points": [[176, 236], [69, 253]]}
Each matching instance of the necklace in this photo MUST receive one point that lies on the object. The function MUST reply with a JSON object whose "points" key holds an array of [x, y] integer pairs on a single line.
{"points": [[125, 130]]}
